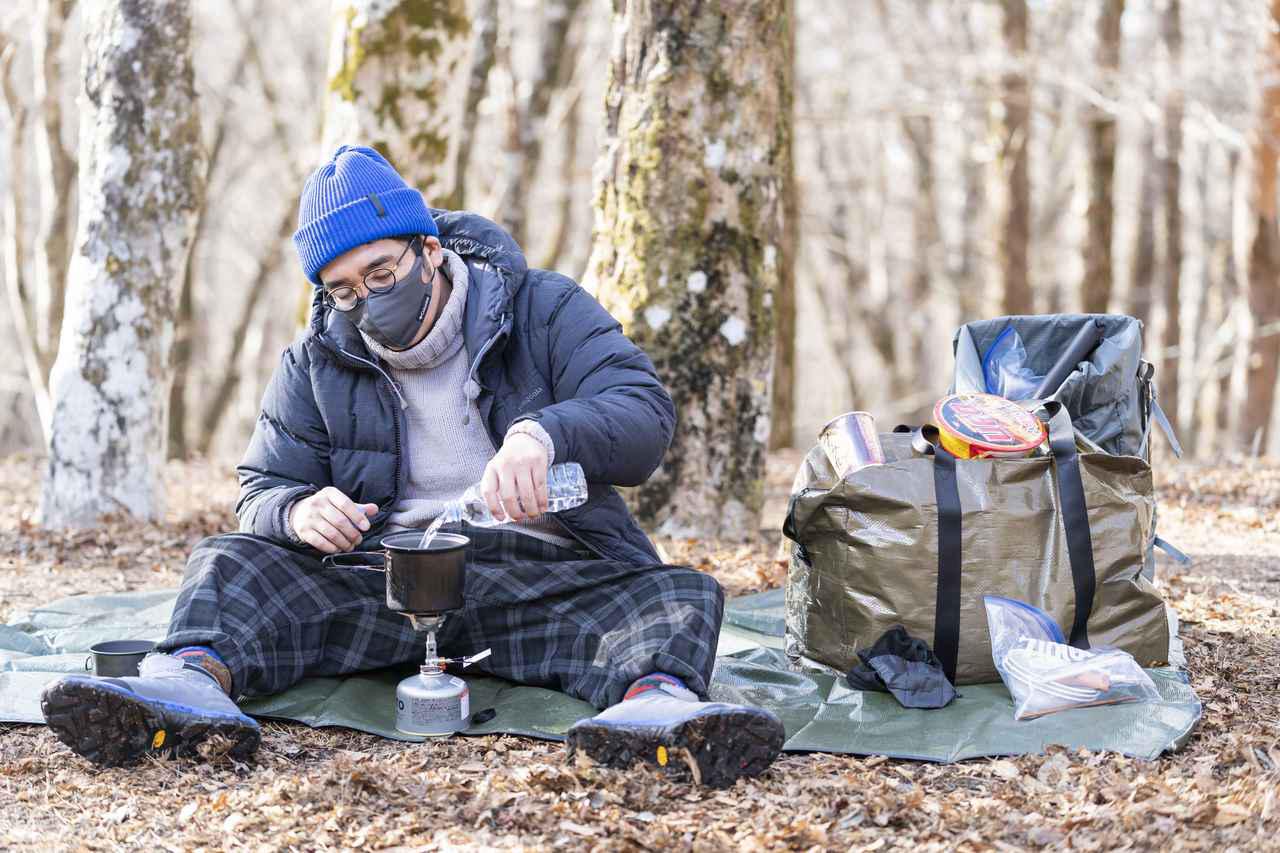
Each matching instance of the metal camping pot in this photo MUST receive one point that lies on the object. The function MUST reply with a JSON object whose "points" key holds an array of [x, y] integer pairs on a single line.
{"points": [[421, 581]]}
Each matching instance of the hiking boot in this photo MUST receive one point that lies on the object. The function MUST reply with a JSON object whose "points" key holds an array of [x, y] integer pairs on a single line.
{"points": [[712, 743], [170, 707]]}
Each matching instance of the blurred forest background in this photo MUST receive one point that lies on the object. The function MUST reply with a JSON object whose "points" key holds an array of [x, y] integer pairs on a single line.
{"points": [[953, 160]]}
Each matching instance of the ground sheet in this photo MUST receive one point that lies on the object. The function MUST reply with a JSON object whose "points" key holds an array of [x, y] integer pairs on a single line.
{"points": [[820, 712]]}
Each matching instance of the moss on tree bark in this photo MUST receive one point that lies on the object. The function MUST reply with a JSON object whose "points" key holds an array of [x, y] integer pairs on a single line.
{"points": [[686, 246], [396, 75]]}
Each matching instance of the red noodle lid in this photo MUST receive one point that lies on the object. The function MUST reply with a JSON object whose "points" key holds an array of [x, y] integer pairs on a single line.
{"points": [[973, 426]]}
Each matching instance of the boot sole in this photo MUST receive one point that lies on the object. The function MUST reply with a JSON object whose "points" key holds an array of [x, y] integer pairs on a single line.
{"points": [[721, 747], [112, 727]]}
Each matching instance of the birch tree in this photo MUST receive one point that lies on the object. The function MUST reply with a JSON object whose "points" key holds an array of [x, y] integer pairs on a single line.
{"points": [[398, 75], [688, 222], [140, 186]]}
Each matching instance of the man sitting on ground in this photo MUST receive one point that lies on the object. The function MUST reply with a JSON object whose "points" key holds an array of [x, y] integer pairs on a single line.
{"points": [[435, 359]]}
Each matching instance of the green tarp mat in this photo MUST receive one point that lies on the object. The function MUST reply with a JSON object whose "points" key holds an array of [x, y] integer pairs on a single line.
{"points": [[820, 712]]}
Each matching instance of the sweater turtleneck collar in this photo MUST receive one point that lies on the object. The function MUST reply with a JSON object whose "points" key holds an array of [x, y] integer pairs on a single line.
{"points": [[445, 337]]}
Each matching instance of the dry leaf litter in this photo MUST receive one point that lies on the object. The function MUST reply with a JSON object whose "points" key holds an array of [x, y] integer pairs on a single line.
{"points": [[336, 789]]}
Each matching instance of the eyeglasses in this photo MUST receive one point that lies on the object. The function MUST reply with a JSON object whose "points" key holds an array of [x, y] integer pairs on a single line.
{"points": [[346, 297]]}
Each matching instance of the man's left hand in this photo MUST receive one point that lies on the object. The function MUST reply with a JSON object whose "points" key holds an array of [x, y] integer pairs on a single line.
{"points": [[515, 480]]}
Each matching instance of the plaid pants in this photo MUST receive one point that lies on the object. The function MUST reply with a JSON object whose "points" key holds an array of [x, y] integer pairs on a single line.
{"points": [[588, 627]]}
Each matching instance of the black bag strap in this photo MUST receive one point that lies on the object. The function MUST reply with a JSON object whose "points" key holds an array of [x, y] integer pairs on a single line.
{"points": [[946, 615], [1075, 518]]}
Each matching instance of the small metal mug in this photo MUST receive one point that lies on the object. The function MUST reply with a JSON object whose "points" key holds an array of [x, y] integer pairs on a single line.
{"points": [[116, 658]]}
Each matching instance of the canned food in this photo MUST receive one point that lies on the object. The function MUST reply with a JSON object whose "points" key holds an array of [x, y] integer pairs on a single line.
{"points": [[978, 426], [851, 442]]}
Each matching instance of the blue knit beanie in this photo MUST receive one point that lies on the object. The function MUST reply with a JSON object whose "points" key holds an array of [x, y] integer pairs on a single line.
{"points": [[355, 198]]}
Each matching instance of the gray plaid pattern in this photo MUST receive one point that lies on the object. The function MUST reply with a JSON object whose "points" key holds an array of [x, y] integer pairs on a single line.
{"points": [[588, 627]]}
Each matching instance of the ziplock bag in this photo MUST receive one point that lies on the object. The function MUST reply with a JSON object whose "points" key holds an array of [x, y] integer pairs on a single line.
{"points": [[1004, 368], [1045, 675]]}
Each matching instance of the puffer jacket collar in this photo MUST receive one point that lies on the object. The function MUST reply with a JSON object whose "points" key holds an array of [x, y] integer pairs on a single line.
{"points": [[497, 267]]}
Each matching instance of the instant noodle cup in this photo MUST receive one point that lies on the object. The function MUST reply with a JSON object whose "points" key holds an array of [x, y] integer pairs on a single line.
{"points": [[979, 426]]}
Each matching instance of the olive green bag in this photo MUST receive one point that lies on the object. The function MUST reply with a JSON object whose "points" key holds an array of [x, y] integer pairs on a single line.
{"points": [[920, 540]]}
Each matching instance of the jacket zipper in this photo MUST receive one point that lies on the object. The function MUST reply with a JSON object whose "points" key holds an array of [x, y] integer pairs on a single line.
{"points": [[484, 350], [395, 386], [404, 404]]}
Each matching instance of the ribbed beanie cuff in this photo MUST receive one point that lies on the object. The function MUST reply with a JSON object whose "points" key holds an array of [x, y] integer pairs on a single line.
{"points": [[355, 198]]}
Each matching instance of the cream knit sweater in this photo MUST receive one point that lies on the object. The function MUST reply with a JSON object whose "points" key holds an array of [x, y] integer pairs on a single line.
{"points": [[448, 444]]}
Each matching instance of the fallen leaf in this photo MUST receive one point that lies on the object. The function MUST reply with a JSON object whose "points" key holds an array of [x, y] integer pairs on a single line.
{"points": [[121, 814], [1006, 769], [578, 829], [1229, 813]]}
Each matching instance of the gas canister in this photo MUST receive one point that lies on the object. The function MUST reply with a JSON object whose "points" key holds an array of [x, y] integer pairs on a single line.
{"points": [[432, 703]]}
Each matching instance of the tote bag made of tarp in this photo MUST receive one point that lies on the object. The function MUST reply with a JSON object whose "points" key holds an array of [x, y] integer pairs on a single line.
{"points": [[919, 540]]}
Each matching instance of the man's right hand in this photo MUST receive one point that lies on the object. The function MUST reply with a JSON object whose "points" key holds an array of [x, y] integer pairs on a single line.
{"points": [[330, 521]]}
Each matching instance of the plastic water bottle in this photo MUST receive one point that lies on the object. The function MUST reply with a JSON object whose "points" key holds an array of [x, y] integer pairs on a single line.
{"points": [[566, 488]]}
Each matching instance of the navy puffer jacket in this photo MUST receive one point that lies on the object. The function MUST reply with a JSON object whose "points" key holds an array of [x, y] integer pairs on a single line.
{"points": [[540, 347]]}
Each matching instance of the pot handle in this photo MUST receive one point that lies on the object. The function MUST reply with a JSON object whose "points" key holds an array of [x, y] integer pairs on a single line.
{"points": [[88, 663], [371, 561]]}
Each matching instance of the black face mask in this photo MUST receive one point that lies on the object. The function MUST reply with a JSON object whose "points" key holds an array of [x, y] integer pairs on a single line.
{"points": [[393, 317]]}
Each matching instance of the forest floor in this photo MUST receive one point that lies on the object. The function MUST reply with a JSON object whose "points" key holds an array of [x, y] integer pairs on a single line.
{"points": [[334, 788]]}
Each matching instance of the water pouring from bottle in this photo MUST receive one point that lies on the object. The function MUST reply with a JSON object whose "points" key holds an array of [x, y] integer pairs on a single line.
{"points": [[566, 489]]}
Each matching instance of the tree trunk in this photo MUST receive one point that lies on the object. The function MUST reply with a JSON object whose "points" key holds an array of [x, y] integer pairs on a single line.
{"points": [[969, 263], [397, 74], [1168, 378], [57, 172], [1097, 286], [12, 228], [484, 39], [1264, 258], [219, 402], [141, 184], [927, 234], [1017, 111], [184, 329], [564, 206], [783, 405], [689, 218], [1144, 277], [1226, 412], [180, 357], [556, 59]]}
